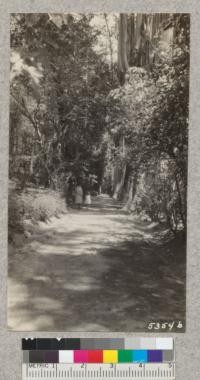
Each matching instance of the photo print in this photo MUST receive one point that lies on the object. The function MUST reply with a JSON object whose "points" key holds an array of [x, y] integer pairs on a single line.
{"points": [[99, 120]]}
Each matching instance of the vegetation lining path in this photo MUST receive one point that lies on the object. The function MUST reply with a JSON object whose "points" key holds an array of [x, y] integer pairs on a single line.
{"points": [[96, 269]]}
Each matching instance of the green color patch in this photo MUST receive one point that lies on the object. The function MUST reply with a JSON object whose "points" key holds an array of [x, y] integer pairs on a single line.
{"points": [[125, 356]]}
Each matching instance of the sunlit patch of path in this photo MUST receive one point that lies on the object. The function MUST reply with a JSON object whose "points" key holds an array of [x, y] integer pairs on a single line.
{"points": [[90, 270]]}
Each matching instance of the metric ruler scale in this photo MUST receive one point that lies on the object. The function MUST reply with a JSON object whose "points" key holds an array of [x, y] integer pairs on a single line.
{"points": [[97, 358], [148, 371]]}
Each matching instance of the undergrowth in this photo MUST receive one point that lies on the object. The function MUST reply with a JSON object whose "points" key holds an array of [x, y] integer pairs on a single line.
{"points": [[33, 205]]}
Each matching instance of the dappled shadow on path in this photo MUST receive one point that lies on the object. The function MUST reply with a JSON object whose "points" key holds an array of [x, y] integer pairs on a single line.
{"points": [[95, 271]]}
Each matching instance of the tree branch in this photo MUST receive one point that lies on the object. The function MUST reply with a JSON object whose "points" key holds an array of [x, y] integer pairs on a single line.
{"points": [[25, 112]]}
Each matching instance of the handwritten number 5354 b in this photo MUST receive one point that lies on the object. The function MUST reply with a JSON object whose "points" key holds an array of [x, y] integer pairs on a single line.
{"points": [[165, 325]]}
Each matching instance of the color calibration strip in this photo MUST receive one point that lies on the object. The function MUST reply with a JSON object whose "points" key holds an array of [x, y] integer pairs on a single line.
{"points": [[98, 344], [98, 356], [116, 359]]}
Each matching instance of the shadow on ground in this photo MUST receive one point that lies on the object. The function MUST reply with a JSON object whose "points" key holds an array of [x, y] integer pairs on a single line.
{"points": [[97, 269]]}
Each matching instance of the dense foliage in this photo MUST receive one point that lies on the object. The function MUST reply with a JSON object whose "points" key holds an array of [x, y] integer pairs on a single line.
{"points": [[60, 89], [151, 136], [71, 115]]}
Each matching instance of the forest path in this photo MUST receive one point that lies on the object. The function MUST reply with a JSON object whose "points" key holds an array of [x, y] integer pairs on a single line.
{"points": [[94, 269]]}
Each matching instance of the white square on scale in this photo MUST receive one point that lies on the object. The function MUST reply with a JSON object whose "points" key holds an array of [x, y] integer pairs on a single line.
{"points": [[148, 343], [164, 344], [66, 356]]}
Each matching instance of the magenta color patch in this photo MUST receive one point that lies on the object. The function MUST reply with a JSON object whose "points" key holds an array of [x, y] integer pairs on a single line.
{"points": [[80, 356]]}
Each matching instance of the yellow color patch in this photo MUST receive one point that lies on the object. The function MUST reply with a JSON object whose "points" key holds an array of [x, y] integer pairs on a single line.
{"points": [[110, 356]]}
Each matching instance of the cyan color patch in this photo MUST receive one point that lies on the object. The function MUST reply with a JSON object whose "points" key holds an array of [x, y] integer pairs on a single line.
{"points": [[140, 356]]}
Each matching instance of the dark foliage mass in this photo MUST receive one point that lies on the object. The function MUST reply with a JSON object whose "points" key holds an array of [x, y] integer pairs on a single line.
{"points": [[75, 112]]}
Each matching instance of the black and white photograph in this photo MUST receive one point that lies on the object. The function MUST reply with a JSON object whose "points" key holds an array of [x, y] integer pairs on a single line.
{"points": [[98, 167]]}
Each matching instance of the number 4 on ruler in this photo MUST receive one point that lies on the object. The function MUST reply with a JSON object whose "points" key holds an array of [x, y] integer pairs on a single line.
{"points": [[149, 371]]}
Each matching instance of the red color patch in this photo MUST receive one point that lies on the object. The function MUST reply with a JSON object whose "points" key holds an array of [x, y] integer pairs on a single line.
{"points": [[95, 356]]}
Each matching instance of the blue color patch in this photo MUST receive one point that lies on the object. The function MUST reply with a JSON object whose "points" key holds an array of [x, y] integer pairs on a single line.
{"points": [[140, 356]]}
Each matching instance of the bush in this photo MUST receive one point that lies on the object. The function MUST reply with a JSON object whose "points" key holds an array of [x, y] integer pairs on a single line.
{"points": [[34, 205], [160, 194]]}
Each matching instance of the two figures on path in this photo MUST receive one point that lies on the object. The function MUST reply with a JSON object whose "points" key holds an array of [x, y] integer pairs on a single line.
{"points": [[81, 192]]}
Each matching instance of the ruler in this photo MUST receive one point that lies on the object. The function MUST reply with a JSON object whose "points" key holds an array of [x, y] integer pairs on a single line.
{"points": [[147, 371]]}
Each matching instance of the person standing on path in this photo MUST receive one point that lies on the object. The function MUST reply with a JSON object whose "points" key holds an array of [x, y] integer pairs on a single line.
{"points": [[87, 195], [78, 195]]}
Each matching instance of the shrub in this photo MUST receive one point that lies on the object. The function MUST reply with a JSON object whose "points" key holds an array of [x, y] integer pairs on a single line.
{"points": [[34, 205]]}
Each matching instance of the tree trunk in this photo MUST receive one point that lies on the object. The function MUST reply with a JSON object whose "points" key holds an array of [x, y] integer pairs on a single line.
{"points": [[110, 45], [126, 187], [132, 187], [119, 176], [136, 40], [122, 47], [182, 213], [32, 163], [101, 176]]}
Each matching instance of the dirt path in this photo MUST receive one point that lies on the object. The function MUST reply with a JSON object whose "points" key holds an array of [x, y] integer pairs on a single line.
{"points": [[97, 269]]}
